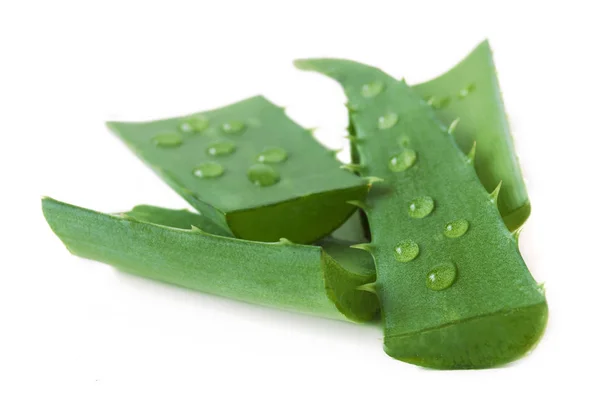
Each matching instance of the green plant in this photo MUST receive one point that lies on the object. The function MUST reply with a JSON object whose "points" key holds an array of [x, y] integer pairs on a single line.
{"points": [[176, 247], [245, 166], [453, 288], [470, 93], [468, 97]]}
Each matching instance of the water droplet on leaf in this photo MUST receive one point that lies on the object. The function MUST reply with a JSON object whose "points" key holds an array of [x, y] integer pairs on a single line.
{"points": [[466, 91], [263, 175], [456, 228], [403, 160], [208, 169], [387, 120], [372, 89], [406, 251], [441, 276], [439, 102], [194, 124], [167, 139], [220, 148], [420, 207], [272, 155], [233, 127]]}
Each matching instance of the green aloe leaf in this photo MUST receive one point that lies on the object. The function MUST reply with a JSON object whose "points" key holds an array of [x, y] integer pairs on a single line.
{"points": [[471, 93], [163, 245], [250, 169], [453, 288]]}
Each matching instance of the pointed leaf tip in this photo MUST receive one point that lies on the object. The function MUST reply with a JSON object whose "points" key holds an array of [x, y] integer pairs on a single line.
{"points": [[358, 203], [453, 125], [471, 155], [196, 229], [284, 241], [352, 167], [363, 246], [373, 179], [516, 234], [303, 64], [495, 193], [368, 287]]}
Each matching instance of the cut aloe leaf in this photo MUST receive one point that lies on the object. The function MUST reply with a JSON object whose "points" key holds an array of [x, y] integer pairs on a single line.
{"points": [[453, 288], [250, 169], [152, 242], [470, 92]]}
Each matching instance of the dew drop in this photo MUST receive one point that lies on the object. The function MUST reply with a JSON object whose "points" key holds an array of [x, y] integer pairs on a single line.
{"points": [[233, 127], [420, 207], [222, 148], [441, 276], [372, 89], [167, 139], [456, 228], [466, 91], [406, 251], [208, 169], [403, 160], [439, 102], [262, 175], [387, 120], [272, 155], [194, 124]]}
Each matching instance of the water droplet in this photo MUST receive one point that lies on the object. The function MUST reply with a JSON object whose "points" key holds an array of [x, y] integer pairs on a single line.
{"points": [[167, 139], [403, 160], [233, 127], [420, 207], [372, 89], [263, 175], [222, 148], [404, 140], [456, 228], [438, 102], [406, 251], [466, 91], [194, 124], [208, 169], [387, 120], [272, 155], [441, 276]]}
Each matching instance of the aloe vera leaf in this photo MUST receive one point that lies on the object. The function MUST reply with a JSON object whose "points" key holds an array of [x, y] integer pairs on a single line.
{"points": [[453, 288], [470, 91], [250, 169], [290, 276], [353, 260]]}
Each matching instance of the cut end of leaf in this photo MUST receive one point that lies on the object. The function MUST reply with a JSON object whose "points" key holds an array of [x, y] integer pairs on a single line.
{"points": [[481, 342], [517, 217]]}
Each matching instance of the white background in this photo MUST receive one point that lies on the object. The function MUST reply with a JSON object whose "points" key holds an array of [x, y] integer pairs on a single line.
{"points": [[79, 336]]}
